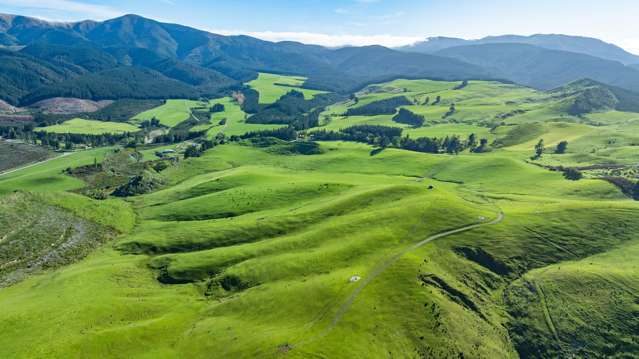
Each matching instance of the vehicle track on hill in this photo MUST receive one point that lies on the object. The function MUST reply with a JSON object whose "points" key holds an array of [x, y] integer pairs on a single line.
{"points": [[381, 267], [33, 164]]}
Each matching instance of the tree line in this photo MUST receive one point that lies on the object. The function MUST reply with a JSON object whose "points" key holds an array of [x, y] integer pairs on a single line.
{"points": [[68, 140], [385, 136]]}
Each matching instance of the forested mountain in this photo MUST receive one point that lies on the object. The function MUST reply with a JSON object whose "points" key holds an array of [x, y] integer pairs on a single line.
{"points": [[134, 57], [78, 58], [578, 44]]}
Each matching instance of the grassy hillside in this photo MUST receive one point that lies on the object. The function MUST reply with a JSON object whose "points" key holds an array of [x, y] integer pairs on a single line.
{"points": [[254, 249], [231, 121], [170, 114], [271, 87], [89, 127]]}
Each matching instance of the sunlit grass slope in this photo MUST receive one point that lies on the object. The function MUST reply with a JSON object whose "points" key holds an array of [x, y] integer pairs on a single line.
{"points": [[234, 120], [248, 253], [271, 87], [50, 176], [171, 114], [89, 127]]}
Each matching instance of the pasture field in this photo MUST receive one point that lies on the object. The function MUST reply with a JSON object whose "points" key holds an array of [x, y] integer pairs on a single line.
{"points": [[260, 251], [235, 120], [271, 87], [171, 114], [257, 248], [90, 127], [50, 176]]}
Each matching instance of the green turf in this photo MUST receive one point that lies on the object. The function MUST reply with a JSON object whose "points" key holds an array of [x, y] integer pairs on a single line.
{"points": [[235, 120], [89, 127], [50, 176], [271, 87], [248, 252], [171, 114]]}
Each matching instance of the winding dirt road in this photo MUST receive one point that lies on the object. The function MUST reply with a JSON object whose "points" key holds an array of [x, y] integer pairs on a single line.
{"points": [[34, 164], [381, 267]]}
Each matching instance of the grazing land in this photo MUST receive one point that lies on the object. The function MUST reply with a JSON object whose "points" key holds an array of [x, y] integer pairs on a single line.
{"points": [[231, 121], [171, 114], [90, 127], [249, 248], [271, 87]]}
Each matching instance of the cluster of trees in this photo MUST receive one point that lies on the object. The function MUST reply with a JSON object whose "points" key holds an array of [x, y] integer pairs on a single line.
{"points": [[152, 123], [250, 100], [462, 85], [503, 116], [218, 107], [385, 136], [407, 117], [383, 107], [628, 187], [591, 100], [295, 111], [176, 136], [540, 148], [561, 147], [68, 140], [120, 82], [451, 111], [197, 149], [284, 133], [573, 174]]}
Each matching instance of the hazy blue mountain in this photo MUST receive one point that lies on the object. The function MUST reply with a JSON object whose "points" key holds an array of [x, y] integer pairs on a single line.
{"points": [[578, 44], [542, 68]]}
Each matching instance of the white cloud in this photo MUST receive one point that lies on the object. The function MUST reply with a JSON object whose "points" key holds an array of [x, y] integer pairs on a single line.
{"points": [[327, 39], [630, 45], [98, 12]]}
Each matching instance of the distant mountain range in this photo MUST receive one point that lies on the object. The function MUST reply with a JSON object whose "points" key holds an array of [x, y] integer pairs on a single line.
{"points": [[542, 68], [577, 44], [135, 57]]}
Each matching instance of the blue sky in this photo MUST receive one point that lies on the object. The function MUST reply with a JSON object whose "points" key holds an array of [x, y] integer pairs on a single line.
{"points": [[360, 22]]}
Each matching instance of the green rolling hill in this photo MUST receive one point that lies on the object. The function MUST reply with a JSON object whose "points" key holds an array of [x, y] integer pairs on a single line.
{"points": [[260, 247]]}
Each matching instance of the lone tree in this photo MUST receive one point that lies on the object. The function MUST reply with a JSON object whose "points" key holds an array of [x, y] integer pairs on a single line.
{"points": [[539, 149], [573, 174], [472, 142], [483, 145], [561, 147]]}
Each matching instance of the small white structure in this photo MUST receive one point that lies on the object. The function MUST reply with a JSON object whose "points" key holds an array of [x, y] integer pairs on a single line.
{"points": [[354, 279]]}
